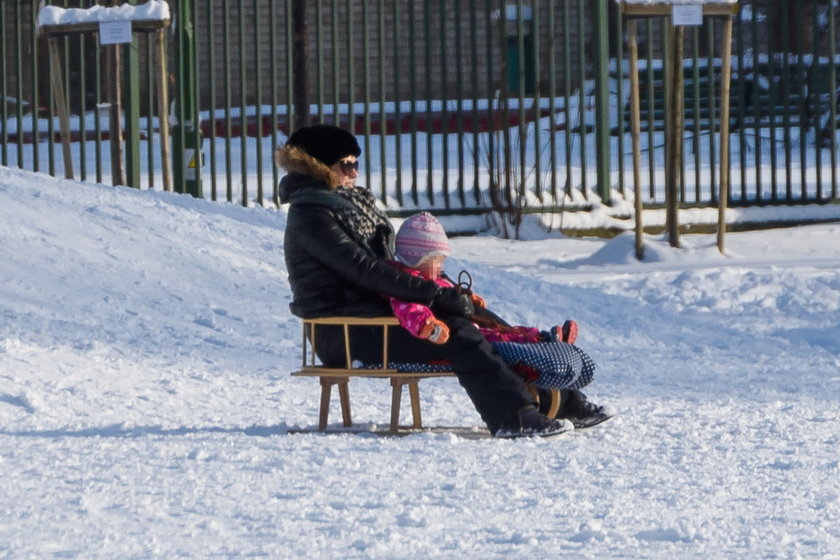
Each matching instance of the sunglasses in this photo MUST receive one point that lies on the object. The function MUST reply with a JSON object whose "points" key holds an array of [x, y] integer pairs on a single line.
{"points": [[347, 166]]}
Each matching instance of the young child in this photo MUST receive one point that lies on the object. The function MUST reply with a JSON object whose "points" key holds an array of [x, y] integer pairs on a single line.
{"points": [[547, 359], [422, 248]]}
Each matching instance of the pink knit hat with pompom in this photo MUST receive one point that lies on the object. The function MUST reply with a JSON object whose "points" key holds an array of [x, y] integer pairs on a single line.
{"points": [[421, 236]]}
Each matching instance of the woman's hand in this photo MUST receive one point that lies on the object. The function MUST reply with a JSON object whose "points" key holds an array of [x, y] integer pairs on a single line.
{"points": [[449, 302]]}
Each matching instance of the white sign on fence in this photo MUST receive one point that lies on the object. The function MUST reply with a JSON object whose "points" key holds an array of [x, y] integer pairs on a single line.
{"points": [[114, 32], [687, 14]]}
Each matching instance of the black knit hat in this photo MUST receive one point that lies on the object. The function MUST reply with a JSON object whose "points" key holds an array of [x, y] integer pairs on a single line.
{"points": [[325, 142]]}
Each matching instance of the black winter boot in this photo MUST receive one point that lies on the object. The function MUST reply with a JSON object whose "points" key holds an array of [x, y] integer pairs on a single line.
{"points": [[575, 407], [530, 423]]}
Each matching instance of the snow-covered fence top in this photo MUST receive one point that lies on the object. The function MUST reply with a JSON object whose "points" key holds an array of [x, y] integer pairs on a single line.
{"points": [[153, 14], [672, 2], [664, 7]]}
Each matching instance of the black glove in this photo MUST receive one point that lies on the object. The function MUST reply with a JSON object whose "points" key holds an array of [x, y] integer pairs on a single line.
{"points": [[448, 302]]}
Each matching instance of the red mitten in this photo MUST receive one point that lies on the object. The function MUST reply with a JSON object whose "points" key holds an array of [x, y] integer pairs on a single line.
{"points": [[435, 331]]}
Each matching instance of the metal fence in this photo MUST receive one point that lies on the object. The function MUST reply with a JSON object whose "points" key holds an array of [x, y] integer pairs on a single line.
{"points": [[461, 105]]}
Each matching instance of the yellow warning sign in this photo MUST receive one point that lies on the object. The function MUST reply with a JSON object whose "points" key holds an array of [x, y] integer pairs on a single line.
{"points": [[189, 157]]}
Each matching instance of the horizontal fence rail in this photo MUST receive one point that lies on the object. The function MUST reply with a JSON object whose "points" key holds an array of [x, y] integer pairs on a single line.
{"points": [[461, 106]]}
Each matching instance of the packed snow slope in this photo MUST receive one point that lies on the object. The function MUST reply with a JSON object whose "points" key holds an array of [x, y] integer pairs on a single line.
{"points": [[146, 409]]}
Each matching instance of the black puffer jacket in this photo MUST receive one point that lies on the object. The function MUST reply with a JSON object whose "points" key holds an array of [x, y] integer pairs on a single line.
{"points": [[331, 271]]}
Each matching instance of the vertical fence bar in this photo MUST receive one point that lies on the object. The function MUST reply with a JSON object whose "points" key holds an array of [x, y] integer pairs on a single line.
{"points": [[151, 97], [97, 123], [366, 73], [258, 127], [492, 100], [412, 41], [228, 125], [567, 95], [131, 78], [82, 109], [756, 101], [319, 53], [773, 90], [397, 68], [243, 108], [552, 97], [832, 96], [427, 41], [667, 48], [444, 102], [800, 86], [211, 85], [726, 75], [742, 102], [335, 59], [710, 45], [274, 77], [696, 128], [679, 112], [291, 45], [786, 93], [351, 80], [196, 135], [813, 86], [584, 183], [602, 104], [537, 102], [383, 117], [520, 98], [4, 92], [476, 150], [504, 167], [65, 58], [619, 81], [36, 165], [19, 93], [651, 124], [459, 97]]}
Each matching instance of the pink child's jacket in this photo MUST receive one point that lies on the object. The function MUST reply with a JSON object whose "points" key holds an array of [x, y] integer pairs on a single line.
{"points": [[414, 316]]}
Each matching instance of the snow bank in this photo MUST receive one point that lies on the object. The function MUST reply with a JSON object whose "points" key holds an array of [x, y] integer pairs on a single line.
{"points": [[146, 409]]}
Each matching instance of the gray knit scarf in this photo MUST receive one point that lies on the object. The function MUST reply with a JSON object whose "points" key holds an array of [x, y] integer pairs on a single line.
{"points": [[356, 212]]}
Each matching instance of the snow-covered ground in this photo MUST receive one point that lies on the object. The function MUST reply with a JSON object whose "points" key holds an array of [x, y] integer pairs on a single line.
{"points": [[146, 409]]}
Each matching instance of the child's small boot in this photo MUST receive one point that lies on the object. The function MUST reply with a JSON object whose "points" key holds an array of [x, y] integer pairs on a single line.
{"points": [[567, 332]]}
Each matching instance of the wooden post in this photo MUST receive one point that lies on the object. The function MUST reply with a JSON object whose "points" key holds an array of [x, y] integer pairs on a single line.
{"points": [[60, 106], [113, 80], [635, 133], [112, 77], [674, 135], [724, 132], [163, 112]]}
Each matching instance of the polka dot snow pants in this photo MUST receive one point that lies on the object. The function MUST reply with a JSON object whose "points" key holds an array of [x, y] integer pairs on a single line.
{"points": [[549, 365]]}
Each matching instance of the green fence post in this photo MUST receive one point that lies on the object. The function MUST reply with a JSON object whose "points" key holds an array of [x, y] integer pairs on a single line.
{"points": [[602, 107], [186, 134], [131, 110]]}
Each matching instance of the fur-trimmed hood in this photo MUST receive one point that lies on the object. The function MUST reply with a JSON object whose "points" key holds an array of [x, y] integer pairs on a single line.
{"points": [[296, 161]]}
